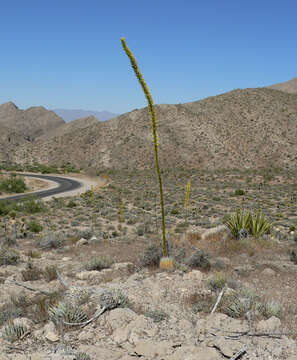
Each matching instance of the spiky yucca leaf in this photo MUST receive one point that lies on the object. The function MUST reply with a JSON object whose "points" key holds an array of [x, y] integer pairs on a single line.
{"points": [[254, 224], [13, 332], [82, 356], [259, 226], [240, 220]]}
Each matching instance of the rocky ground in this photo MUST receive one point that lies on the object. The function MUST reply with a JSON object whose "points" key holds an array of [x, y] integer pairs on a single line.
{"points": [[106, 247]]}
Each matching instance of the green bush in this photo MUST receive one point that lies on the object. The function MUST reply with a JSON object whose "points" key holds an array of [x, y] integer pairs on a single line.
{"points": [[31, 205], [34, 226], [13, 185], [239, 192]]}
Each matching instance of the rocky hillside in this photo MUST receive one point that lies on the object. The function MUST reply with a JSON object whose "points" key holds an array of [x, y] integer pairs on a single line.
{"points": [[67, 128], [240, 129], [288, 86], [29, 123]]}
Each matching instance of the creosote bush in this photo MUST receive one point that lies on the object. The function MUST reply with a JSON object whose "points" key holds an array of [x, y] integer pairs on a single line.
{"points": [[198, 260], [13, 185], [34, 226]]}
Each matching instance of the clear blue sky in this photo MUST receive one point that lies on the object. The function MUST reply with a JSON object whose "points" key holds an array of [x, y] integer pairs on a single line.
{"points": [[67, 53]]}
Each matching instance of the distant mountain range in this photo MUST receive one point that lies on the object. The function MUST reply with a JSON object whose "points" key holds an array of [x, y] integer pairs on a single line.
{"points": [[73, 114]]}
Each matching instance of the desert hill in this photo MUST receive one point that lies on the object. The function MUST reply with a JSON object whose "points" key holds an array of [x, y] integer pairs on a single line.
{"points": [[29, 123], [288, 86], [247, 128], [66, 128]]}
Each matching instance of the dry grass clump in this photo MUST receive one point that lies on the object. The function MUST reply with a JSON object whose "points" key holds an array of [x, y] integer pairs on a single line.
{"points": [[31, 273]]}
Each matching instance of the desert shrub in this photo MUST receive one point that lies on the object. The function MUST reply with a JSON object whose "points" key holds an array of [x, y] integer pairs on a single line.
{"points": [[51, 241], [8, 257], [268, 310], [31, 273], [31, 205], [198, 260], [217, 282], [8, 312], [34, 254], [152, 255], [6, 207], [85, 233], [239, 192], [202, 303], [156, 315], [99, 263], [13, 185], [34, 226], [50, 273], [71, 204], [140, 230]]}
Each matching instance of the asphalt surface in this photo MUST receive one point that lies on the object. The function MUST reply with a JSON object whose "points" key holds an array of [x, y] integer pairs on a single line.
{"points": [[65, 185]]}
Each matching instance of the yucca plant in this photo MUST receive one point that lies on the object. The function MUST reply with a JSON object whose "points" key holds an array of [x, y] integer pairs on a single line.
{"points": [[66, 312], [153, 115], [259, 226], [239, 221], [13, 332], [246, 223]]}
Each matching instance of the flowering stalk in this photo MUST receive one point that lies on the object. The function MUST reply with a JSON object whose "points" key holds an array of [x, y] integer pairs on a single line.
{"points": [[154, 132]]}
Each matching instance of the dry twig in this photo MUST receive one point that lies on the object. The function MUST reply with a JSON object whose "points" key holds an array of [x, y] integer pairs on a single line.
{"points": [[218, 301]]}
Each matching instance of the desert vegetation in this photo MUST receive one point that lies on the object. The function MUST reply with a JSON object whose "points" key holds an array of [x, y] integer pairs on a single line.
{"points": [[120, 223]]}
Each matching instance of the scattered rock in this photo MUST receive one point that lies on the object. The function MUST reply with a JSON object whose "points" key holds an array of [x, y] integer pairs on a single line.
{"points": [[81, 242], [273, 324], [268, 272]]}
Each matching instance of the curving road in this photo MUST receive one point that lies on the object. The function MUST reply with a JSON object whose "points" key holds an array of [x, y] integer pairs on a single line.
{"points": [[65, 185]]}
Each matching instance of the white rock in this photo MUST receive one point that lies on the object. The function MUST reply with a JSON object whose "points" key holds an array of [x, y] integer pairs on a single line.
{"points": [[81, 242], [52, 336]]}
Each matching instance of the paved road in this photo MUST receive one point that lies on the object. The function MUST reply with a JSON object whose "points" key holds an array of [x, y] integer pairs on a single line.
{"points": [[65, 185]]}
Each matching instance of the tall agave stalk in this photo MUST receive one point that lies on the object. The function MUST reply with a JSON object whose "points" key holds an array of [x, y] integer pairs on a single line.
{"points": [[153, 115], [186, 206]]}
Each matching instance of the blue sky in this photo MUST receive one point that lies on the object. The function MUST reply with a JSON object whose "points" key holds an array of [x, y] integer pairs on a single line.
{"points": [[67, 53]]}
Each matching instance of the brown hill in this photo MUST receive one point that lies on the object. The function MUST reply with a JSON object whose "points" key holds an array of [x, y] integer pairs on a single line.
{"points": [[29, 123], [66, 128], [288, 86], [240, 129]]}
